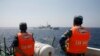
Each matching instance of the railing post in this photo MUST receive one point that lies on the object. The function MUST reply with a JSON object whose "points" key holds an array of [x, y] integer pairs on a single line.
{"points": [[5, 46], [0, 48]]}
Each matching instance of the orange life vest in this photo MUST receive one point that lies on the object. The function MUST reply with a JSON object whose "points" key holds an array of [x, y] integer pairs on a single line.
{"points": [[78, 42], [26, 44]]}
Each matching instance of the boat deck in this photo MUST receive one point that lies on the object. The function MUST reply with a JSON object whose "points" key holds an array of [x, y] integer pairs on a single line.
{"points": [[93, 52]]}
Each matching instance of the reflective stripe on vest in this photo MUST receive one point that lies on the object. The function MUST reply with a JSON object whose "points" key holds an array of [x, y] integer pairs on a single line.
{"points": [[26, 44], [78, 42]]}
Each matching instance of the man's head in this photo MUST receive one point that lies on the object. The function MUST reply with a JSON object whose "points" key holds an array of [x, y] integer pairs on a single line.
{"points": [[78, 20], [23, 27]]}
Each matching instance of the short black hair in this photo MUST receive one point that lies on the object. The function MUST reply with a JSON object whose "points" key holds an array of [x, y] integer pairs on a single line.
{"points": [[78, 20], [23, 26]]}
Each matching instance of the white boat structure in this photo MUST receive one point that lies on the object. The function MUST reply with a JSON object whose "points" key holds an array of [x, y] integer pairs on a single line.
{"points": [[42, 49], [47, 50]]}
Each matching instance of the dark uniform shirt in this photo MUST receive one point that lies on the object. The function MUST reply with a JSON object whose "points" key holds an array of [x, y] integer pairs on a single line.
{"points": [[64, 37], [15, 42]]}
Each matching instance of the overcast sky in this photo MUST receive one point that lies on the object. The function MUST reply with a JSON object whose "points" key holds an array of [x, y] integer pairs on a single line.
{"points": [[55, 12]]}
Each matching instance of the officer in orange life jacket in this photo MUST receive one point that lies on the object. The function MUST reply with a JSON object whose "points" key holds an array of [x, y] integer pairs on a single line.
{"points": [[75, 41], [24, 42]]}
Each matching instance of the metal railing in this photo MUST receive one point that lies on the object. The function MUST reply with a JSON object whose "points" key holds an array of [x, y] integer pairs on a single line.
{"points": [[6, 51]]}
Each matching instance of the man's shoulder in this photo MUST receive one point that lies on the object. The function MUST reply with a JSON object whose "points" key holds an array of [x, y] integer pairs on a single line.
{"points": [[15, 37], [68, 32], [30, 33]]}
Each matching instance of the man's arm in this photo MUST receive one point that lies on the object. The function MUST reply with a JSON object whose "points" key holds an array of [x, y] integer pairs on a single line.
{"points": [[15, 42], [64, 37], [15, 45]]}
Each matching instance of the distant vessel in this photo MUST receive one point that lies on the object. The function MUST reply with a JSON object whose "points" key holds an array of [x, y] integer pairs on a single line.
{"points": [[48, 26], [45, 27]]}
